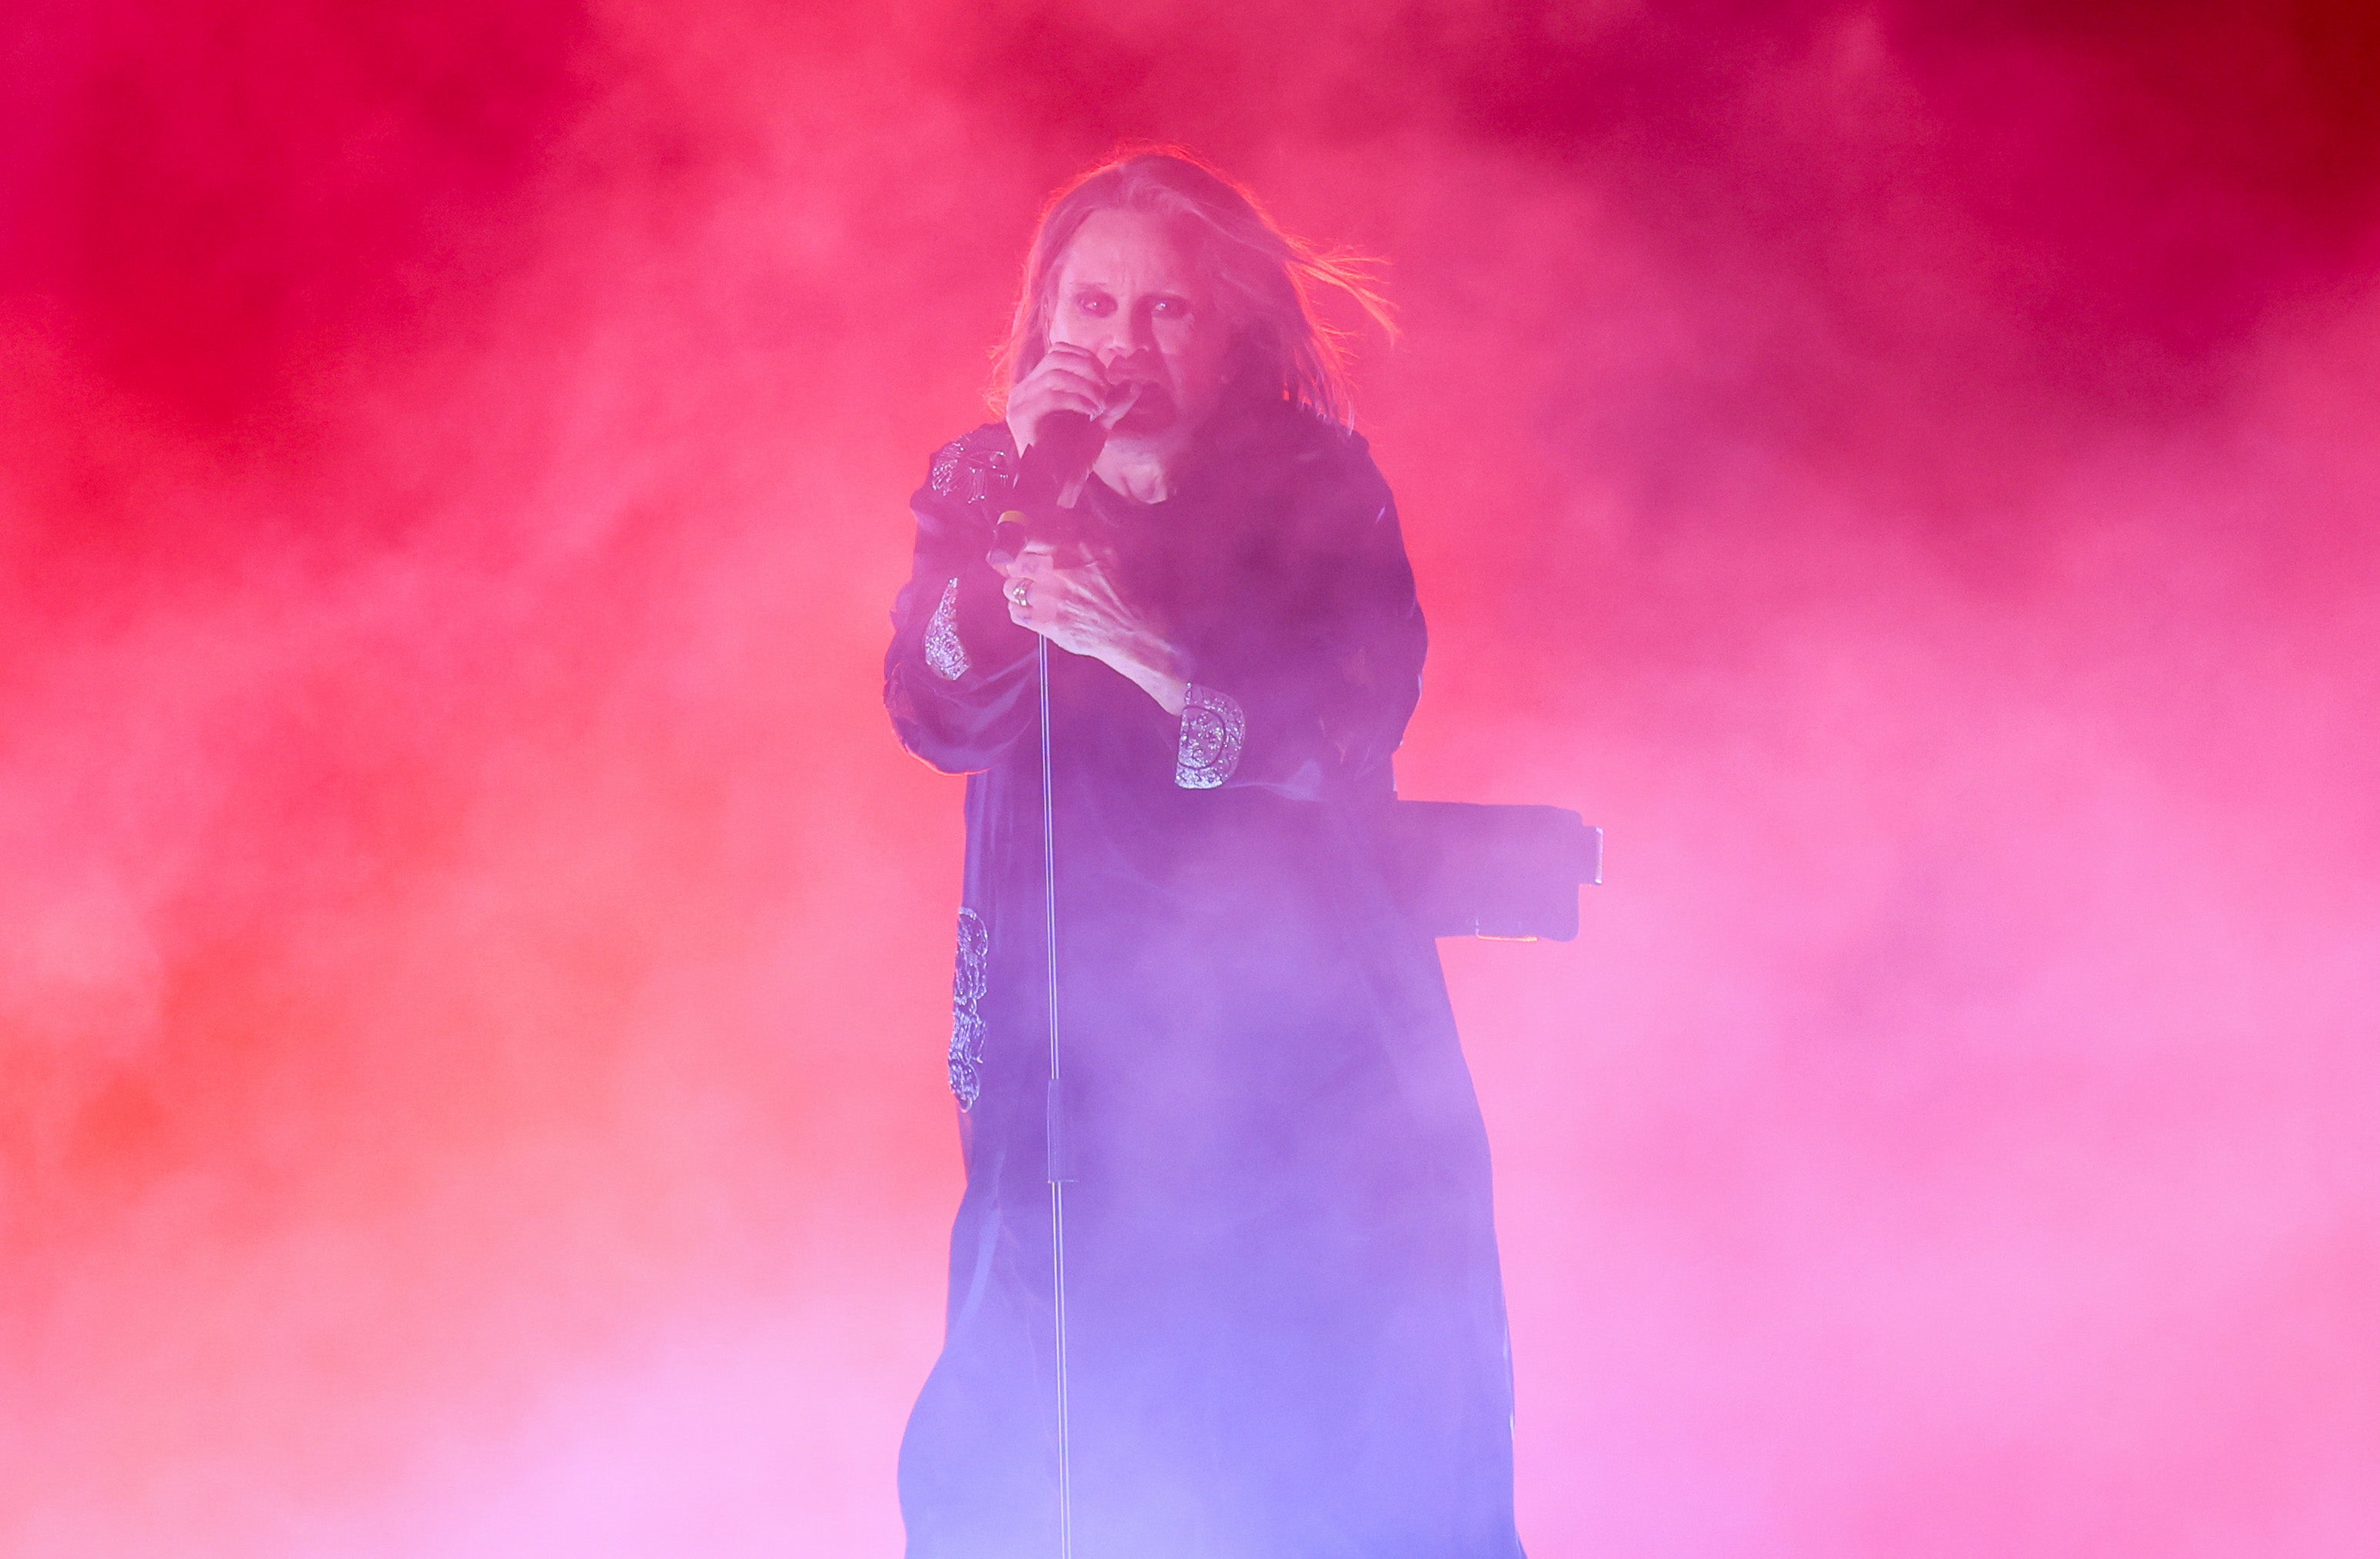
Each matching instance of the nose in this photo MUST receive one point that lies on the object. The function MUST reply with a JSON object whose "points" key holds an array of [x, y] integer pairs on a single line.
{"points": [[1129, 333]]}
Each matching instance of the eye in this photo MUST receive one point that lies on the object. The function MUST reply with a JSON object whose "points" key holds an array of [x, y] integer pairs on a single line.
{"points": [[1171, 308], [1095, 303]]}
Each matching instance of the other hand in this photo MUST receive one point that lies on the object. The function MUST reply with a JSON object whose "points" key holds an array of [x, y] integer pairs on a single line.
{"points": [[1074, 603]]}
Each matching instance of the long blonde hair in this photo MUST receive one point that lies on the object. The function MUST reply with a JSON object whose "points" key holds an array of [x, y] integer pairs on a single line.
{"points": [[1265, 279]]}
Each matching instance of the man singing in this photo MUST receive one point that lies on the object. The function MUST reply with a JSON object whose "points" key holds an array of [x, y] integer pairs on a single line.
{"points": [[1284, 1322]]}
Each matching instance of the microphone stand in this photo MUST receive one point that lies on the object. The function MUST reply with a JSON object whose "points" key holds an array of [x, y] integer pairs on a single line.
{"points": [[1066, 447], [1053, 1119]]}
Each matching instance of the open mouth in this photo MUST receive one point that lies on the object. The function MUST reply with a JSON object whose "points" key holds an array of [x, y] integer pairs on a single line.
{"points": [[1151, 407]]}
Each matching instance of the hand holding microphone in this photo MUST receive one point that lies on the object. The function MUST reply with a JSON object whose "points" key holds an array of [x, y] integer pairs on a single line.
{"points": [[1067, 384], [1067, 381], [1059, 414]]}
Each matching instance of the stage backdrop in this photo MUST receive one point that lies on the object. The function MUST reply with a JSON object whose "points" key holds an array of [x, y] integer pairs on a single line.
{"points": [[474, 963]]}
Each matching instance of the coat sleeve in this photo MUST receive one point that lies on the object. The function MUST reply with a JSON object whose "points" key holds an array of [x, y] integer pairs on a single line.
{"points": [[958, 678], [1313, 702]]}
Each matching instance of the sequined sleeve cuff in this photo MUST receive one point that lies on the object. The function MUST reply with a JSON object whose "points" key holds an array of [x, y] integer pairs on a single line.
{"points": [[944, 652], [1213, 729]]}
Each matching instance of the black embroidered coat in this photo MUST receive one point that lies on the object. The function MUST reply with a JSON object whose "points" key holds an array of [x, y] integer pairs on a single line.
{"points": [[1285, 1328]]}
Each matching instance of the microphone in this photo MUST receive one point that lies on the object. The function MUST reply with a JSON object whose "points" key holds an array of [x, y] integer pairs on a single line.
{"points": [[1065, 445]]}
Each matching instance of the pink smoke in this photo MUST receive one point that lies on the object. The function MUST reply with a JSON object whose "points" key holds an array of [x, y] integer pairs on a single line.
{"points": [[472, 956]]}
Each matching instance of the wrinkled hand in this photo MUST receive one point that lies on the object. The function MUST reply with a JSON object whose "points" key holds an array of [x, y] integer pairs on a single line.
{"points": [[1066, 379], [1074, 602]]}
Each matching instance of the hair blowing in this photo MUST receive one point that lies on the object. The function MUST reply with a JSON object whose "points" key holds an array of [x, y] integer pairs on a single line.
{"points": [[1266, 281]]}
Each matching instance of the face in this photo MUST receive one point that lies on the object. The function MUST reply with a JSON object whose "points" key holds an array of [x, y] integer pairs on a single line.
{"points": [[1131, 294]]}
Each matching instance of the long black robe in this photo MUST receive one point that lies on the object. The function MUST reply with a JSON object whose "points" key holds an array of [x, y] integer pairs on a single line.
{"points": [[1285, 1323]]}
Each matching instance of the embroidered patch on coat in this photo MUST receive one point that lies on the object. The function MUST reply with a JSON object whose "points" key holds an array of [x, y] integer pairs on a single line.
{"points": [[1213, 731], [944, 652], [967, 1008], [971, 468]]}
